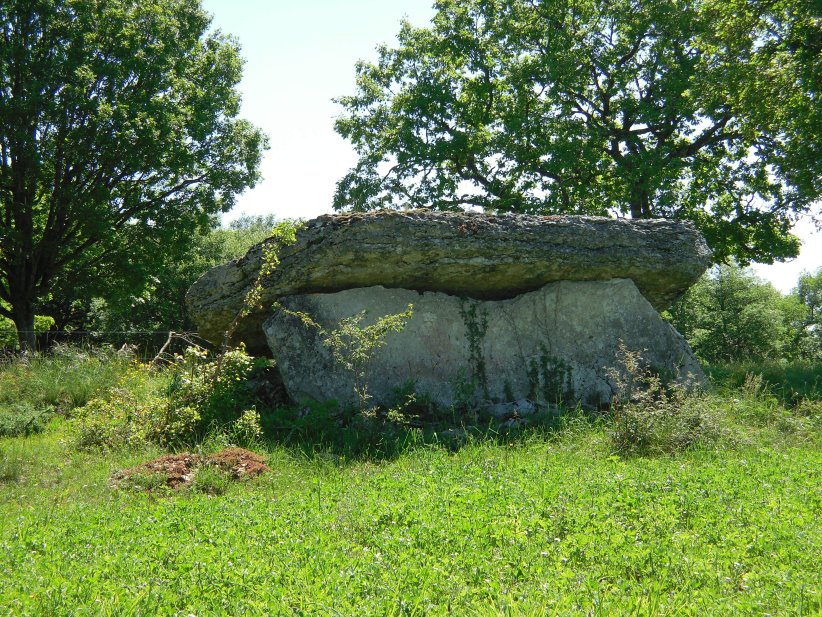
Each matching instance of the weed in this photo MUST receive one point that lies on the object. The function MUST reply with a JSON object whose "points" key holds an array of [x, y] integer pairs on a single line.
{"points": [[11, 463], [246, 430], [210, 480], [21, 419], [353, 346], [475, 318], [650, 417]]}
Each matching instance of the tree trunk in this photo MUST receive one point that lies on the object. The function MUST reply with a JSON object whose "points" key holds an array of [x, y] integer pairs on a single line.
{"points": [[640, 202], [23, 310]]}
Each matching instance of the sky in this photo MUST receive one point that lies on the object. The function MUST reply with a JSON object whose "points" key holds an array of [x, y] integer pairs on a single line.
{"points": [[300, 54]]}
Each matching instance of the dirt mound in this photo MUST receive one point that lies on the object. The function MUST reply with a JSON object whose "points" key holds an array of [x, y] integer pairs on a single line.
{"points": [[239, 462], [178, 470]]}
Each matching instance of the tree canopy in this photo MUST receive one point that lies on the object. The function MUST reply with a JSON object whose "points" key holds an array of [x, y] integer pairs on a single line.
{"points": [[703, 110], [119, 137]]}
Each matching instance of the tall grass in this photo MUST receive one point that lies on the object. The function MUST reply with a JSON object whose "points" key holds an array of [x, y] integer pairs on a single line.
{"points": [[33, 388], [790, 382], [64, 378]]}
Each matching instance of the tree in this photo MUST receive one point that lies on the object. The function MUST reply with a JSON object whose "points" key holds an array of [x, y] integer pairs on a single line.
{"points": [[119, 138], [704, 110], [808, 292], [159, 304], [730, 315]]}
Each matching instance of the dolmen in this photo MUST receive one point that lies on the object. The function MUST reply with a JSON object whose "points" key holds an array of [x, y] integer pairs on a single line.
{"points": [[508, 310]]}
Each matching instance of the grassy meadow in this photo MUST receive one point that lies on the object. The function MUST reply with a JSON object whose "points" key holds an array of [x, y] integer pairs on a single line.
{"points": [[380, 516]]}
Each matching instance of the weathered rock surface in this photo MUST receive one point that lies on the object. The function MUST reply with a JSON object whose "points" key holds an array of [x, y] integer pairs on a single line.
{"points": [[474, 255], [552, 345]]}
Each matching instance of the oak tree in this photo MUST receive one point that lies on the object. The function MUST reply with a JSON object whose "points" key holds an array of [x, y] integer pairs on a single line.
{"points": [[703, 110], [119, 137]]}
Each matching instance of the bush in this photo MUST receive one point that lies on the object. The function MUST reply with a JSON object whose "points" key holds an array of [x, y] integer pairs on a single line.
{"points": [[216, 388], [651, 417], [23, 419], [133, 413], [175, 407]]}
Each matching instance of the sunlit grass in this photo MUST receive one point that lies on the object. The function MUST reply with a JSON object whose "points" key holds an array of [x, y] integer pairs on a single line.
{"points": [[370, 519]]}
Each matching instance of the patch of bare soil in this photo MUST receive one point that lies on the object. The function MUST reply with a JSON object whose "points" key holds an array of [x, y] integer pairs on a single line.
{"points": [[239, 462], [178, 470]]}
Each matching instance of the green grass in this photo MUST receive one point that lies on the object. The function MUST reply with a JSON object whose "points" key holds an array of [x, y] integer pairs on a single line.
{"points": [[379, 519], [61, 381], [541, 525], [790, 382]]}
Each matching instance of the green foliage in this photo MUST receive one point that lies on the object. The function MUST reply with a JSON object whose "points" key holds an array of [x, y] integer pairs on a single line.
{"points": [[808, 292], [20, 419], [550, 379], [246, 429], [12, 463], [8, 331], [730, 315], [119, 137], [132, 414], [705, 111], [541, 525], [210, 480], [475, 319], [790, 382], [220, 396], [651, 417], [353, 346], [725, 522], [283, 234], [177, 406], [160, 303], [64, 379]]}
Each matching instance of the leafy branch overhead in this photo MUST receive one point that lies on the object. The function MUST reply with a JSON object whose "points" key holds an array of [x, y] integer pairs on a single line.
{"points": [[706, 111]]}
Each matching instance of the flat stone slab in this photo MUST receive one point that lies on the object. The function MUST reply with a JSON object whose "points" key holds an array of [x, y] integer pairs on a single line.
{"points": [[485, 257], [552, 345]]}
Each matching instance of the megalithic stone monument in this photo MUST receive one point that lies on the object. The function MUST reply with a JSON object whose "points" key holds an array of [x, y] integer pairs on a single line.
{"points": [[511, 307]]}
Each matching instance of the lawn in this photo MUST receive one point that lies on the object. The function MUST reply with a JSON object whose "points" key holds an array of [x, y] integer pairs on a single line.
{"points": [[539, 521]]}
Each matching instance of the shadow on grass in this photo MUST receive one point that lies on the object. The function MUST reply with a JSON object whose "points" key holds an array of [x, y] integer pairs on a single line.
{"points": [[323, 431]]}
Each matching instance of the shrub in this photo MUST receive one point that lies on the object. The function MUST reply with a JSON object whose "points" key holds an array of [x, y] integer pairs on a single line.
{"points": [[651, 417], [174, 407], [216, 388], [353, 346], [247, 429], [133, 414], [23, 419]]}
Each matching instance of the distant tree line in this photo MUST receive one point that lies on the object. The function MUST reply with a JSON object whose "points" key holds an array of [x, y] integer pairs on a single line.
{"points": [[80, 309], [731, 315]]}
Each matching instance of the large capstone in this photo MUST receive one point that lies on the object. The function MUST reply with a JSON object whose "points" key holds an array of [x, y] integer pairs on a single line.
{"points": [[556, 344], [469, 255]]}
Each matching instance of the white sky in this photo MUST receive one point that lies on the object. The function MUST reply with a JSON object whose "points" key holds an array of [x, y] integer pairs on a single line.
{"points": [[299, 55]]}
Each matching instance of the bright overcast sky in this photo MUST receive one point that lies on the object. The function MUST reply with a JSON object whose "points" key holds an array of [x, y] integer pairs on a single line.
{"points": [[299, 55]]}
